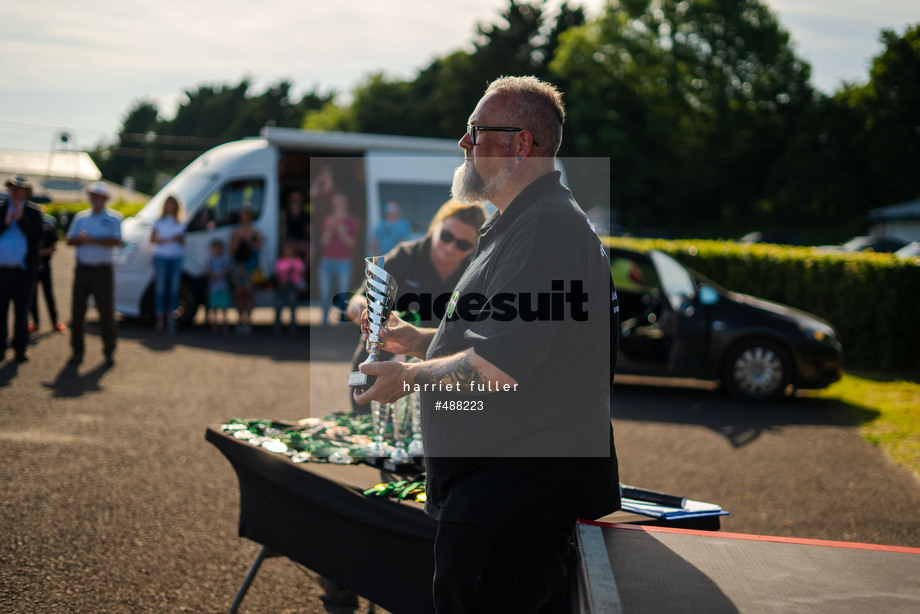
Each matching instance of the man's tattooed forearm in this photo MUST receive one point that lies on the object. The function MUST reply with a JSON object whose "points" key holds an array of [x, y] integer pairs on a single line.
{"points": [[458, 370]]}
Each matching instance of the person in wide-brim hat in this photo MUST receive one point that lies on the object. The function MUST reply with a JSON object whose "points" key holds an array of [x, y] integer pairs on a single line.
{"points": [[19, 181], [18, 262]]}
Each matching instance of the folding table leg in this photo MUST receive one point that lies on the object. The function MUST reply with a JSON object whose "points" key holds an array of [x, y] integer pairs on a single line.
{"points": [[264, 553]]}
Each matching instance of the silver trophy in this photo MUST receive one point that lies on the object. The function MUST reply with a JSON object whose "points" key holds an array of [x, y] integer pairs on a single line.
{"points": [[378, 451], [401, 417], [416, 448], [381, 295]]}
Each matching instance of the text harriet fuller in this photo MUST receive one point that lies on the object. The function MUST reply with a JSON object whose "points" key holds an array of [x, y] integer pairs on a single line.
{"points": [[460, 387]]}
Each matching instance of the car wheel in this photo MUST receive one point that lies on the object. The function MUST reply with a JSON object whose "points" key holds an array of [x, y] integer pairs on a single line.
{"points": [[189, 301], [757, 370]]}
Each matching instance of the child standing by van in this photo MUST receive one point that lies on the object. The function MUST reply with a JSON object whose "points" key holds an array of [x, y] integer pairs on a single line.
{"points": [[290, 274], [218, 269], [245, 245]]}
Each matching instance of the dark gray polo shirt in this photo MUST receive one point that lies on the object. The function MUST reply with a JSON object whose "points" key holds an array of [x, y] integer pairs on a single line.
{"points": [[535, 302]]}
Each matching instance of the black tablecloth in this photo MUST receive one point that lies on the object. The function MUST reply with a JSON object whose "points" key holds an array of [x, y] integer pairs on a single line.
{"points": [[316, 514]]}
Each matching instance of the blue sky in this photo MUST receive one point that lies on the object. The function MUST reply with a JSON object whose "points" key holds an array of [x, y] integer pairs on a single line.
{"points": [[79, 65]]}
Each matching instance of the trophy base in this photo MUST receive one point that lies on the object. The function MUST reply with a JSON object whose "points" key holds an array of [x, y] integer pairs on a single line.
{"points": [[361, 381], [403, 466]]}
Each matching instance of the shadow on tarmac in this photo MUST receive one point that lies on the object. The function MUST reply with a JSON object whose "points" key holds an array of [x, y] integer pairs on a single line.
{"points": [[69, 383], [261, 342], [8, 372], [319, 343], [739, 422]]}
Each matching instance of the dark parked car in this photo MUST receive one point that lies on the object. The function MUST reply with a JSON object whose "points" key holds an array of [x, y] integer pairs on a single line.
{"points": [[676, 323]]}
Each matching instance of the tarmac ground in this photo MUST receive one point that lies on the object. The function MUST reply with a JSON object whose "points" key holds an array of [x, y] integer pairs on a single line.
{"points": [[112, 501]]}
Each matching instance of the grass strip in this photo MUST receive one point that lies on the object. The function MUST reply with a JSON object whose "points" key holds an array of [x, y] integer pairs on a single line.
{"points": [[895, 409]]}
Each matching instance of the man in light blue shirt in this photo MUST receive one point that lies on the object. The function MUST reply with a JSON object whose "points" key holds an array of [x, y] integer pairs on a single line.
{"points": [[394, 229], [20, 234], [95, 232]]}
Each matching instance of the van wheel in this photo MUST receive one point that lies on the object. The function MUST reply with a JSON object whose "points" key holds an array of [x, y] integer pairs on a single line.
{"points": [[189, 302], [757, 370], [148, 311]]}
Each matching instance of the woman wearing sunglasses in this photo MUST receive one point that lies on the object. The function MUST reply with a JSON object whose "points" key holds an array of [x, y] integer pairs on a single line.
{"points": [[428, 267]]}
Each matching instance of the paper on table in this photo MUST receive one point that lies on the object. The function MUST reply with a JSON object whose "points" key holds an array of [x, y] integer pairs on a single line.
{"points": [[692, 509]]}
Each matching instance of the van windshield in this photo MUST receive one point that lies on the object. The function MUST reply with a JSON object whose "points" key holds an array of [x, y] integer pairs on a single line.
{"points": [[189, 187]]}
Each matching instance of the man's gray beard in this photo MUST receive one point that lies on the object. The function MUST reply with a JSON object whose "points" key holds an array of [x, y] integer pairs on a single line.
{"points": [[471, 188]]}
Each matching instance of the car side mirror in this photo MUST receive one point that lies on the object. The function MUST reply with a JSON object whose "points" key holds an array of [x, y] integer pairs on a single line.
{"points": [[708, 295]]}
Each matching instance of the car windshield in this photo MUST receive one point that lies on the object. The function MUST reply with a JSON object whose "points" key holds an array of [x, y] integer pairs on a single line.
{"points": [[676, 282], [189, 187]]}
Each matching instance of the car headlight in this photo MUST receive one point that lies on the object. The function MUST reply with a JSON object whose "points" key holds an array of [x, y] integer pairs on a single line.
{"points": [[818, 331]]}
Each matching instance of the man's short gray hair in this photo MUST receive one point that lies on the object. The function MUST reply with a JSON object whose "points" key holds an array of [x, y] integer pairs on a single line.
{"points": [[536, 106]]}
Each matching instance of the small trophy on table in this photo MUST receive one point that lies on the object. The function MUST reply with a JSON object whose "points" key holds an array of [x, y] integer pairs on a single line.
{"points": [[416, 448], [381, 295], [401, 417]]}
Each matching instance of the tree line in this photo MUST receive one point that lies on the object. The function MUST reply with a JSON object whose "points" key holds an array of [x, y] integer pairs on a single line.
{"points": [[705, 111], [150, 148]]}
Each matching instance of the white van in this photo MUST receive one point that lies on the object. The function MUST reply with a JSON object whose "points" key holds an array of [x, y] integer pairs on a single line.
{"points": [[260, 173]]}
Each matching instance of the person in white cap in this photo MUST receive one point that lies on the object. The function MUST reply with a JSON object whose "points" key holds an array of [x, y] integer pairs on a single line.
{"points": [[20, 234], [95, 232]]}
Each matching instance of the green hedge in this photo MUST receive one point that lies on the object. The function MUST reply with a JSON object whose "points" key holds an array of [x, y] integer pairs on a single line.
{"points": [[126, 209], [869, 298]]}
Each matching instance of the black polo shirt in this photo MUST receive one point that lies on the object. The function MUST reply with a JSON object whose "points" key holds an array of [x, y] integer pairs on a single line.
{"points": [[535, 302]]}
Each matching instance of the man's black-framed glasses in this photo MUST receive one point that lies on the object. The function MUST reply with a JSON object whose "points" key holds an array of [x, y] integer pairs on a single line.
{"points": [[472, 130]]}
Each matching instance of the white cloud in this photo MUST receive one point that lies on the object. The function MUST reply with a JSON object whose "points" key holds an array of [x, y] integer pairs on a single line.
{"points": [[88, 60], [878, 11]]}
